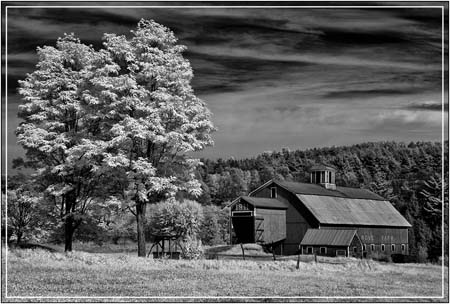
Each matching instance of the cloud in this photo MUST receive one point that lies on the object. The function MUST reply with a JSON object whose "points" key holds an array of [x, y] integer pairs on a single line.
{"points": [[428, 106], [278, 77], [371, 92], [321, 59]]}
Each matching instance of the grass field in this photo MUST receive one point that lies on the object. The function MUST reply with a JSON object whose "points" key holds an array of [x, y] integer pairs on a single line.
{"points": [[41, 273]]}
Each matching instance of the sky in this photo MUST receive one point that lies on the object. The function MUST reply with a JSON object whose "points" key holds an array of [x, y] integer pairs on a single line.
{"points": [[274, 78]]}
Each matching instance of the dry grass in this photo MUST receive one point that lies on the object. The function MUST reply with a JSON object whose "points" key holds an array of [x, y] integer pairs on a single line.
{"points": [[41, 273]]}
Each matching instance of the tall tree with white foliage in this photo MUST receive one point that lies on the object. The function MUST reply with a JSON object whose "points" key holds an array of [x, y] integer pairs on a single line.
{"points": [[150, 119], [57, 133]]}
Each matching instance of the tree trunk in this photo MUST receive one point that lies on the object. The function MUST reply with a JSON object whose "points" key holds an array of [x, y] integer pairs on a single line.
{"points": [[68, 233], [140, 220], [19, 238], [69, 222]]}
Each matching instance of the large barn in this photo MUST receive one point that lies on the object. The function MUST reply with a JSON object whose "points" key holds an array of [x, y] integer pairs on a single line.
{"points": [[318, 217]]}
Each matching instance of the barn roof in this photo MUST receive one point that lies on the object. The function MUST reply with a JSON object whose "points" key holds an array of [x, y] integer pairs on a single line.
{"points": [[265, 203], [328, 237], [353, 211], [315, 189]]}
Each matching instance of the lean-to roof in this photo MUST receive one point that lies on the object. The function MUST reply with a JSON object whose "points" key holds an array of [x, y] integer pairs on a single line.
{"points": [[328, 237]]}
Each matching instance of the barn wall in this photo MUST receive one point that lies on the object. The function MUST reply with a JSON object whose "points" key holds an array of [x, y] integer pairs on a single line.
{"points": [[378, 236], [274, 224], [298, 221], [356, 244], [331, 250]]}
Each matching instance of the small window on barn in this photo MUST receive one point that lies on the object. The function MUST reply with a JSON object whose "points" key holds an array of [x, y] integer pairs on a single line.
{"points": [[341, 253], [309, 250], [393, 247], [403, 248], [372, 247], [382, 247], [273, 192], [355, 249], [323, 250]]}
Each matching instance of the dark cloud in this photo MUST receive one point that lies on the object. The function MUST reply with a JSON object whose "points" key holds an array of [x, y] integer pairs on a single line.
{"points": [[362, 37], [427, 107], [370, 93]]}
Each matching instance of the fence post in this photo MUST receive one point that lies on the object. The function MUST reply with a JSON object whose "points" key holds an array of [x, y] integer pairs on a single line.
{"points": [[273, 251], [298, 261], [315, 257], [243, 254]]}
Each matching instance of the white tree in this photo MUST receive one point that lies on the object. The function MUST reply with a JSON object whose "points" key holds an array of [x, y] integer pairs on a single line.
{"points": [[57, 132], [150, 119]]}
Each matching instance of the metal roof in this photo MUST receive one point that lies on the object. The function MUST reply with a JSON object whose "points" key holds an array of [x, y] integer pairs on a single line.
{"points": [[328, 237], [347, 211], [265, 203], [315, 189]]}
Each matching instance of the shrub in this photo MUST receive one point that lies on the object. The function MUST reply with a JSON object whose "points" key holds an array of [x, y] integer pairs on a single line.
{"points": [[422, 254], [191, 249], [210, 230], [398, 258], [172, 218], [381, 257]]}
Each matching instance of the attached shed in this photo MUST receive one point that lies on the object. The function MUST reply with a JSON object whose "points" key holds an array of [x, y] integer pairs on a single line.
{"points": [[331, 242], [258, 220]]}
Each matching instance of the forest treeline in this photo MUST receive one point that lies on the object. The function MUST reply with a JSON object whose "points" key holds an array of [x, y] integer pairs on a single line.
{"points": [[408, 175]]}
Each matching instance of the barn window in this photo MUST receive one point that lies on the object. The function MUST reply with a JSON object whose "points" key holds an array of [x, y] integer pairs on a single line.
{"points": [[382, 247], [273, 192], [393, 247], [341, 253], [323, 250], [372, 247], [403, 248], [309, 250], [355, 249]]}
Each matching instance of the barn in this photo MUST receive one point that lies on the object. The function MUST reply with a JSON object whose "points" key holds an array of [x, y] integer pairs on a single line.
{"points": [[291, 214]]}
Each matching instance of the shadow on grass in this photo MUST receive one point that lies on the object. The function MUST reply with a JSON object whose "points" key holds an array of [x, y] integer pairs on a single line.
{"points": [[30, 245]]}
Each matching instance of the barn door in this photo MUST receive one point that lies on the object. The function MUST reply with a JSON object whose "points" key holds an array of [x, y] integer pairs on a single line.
{"points": [[259, 229]]}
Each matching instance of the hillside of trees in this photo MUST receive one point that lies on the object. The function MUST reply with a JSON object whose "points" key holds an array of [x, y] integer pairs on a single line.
{"points": [[408, 175]]}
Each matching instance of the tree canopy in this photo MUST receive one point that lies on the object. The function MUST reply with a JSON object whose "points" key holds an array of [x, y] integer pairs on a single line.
{"points": [[123, 117]]}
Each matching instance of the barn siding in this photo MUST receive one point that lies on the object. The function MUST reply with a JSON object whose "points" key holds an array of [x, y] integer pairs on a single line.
{"points": [[356, 242], [296, 223], [331, 250], [274, 224], [378, 236]]}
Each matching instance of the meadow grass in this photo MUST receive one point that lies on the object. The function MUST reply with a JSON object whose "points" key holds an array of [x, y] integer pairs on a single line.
{"points": [[40, 273]]}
